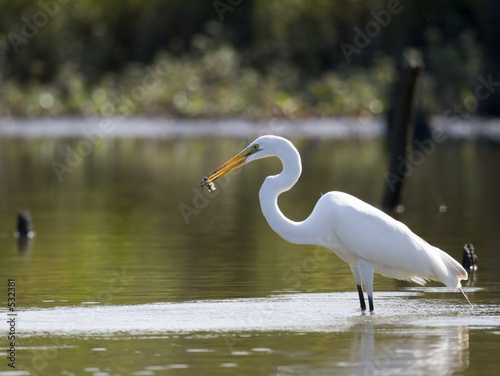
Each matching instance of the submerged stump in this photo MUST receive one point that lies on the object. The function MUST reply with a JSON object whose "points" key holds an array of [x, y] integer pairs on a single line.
{"points": [[24, 233], [469, 257], [24, 225]]}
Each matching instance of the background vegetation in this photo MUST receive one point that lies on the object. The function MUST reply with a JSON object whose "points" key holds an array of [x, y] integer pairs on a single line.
{"points": [[239, 57]]}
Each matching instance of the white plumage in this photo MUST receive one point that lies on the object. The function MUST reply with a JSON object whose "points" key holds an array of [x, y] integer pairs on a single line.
{"points": [[369, 240]]}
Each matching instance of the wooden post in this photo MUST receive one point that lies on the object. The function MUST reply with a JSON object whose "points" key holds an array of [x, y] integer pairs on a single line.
{"points": [[401, 137]]}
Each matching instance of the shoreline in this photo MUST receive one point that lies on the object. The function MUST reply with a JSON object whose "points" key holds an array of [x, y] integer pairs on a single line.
{"points": [[326, 128]]}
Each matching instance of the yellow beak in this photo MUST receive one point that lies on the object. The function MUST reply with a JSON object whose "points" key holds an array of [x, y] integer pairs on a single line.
{"points": [[226, 168]]}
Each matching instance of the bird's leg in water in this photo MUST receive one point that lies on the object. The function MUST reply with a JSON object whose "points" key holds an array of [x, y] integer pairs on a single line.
{"points": [[466, 298], [357, 278], [366, 271], [361, 298], [370, 302]]}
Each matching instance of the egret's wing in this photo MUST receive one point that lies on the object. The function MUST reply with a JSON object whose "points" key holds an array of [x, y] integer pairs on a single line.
{"points": [[393, 249]]}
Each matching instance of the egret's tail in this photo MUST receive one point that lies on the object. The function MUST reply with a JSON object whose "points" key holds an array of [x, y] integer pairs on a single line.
{"points": [[454, 272], [448, 270], [451, 273]]}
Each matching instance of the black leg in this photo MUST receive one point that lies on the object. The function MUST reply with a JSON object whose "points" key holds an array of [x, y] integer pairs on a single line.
{"points": [[370, 302], [362, 298]]}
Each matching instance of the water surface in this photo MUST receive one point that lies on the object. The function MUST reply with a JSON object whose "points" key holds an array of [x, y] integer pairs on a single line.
{"points": [[137, 270]]}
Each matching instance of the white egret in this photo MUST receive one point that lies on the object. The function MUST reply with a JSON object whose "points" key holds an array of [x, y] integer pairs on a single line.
{"points": [[369, 240]]}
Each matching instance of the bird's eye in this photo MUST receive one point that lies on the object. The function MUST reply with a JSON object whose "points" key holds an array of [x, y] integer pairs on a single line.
{"points": [[256, 146]]}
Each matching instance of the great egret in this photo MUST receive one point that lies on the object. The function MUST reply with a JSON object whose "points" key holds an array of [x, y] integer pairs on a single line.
{"points": [[369, 240]]}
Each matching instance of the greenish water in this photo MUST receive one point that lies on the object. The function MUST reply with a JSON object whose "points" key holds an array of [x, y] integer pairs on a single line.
{"points": [[135, 270]]}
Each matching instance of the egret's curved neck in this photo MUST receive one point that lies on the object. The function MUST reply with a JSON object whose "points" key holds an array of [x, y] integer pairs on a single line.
{"points": [[275, 185]]}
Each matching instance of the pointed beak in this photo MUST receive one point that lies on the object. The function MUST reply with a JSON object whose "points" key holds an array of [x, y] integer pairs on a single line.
{"points": [[235, 162]]}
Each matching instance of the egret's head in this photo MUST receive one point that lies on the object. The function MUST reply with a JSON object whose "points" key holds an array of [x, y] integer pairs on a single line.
{"points": [[260, 148]]}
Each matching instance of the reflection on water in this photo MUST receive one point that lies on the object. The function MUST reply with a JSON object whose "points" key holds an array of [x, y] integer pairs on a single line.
{"points": [[444, 352], [294, 334], [135, 268], [24, 245]]}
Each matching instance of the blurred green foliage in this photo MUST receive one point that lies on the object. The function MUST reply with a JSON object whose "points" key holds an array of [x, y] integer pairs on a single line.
{"points": [[235, 57]]}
